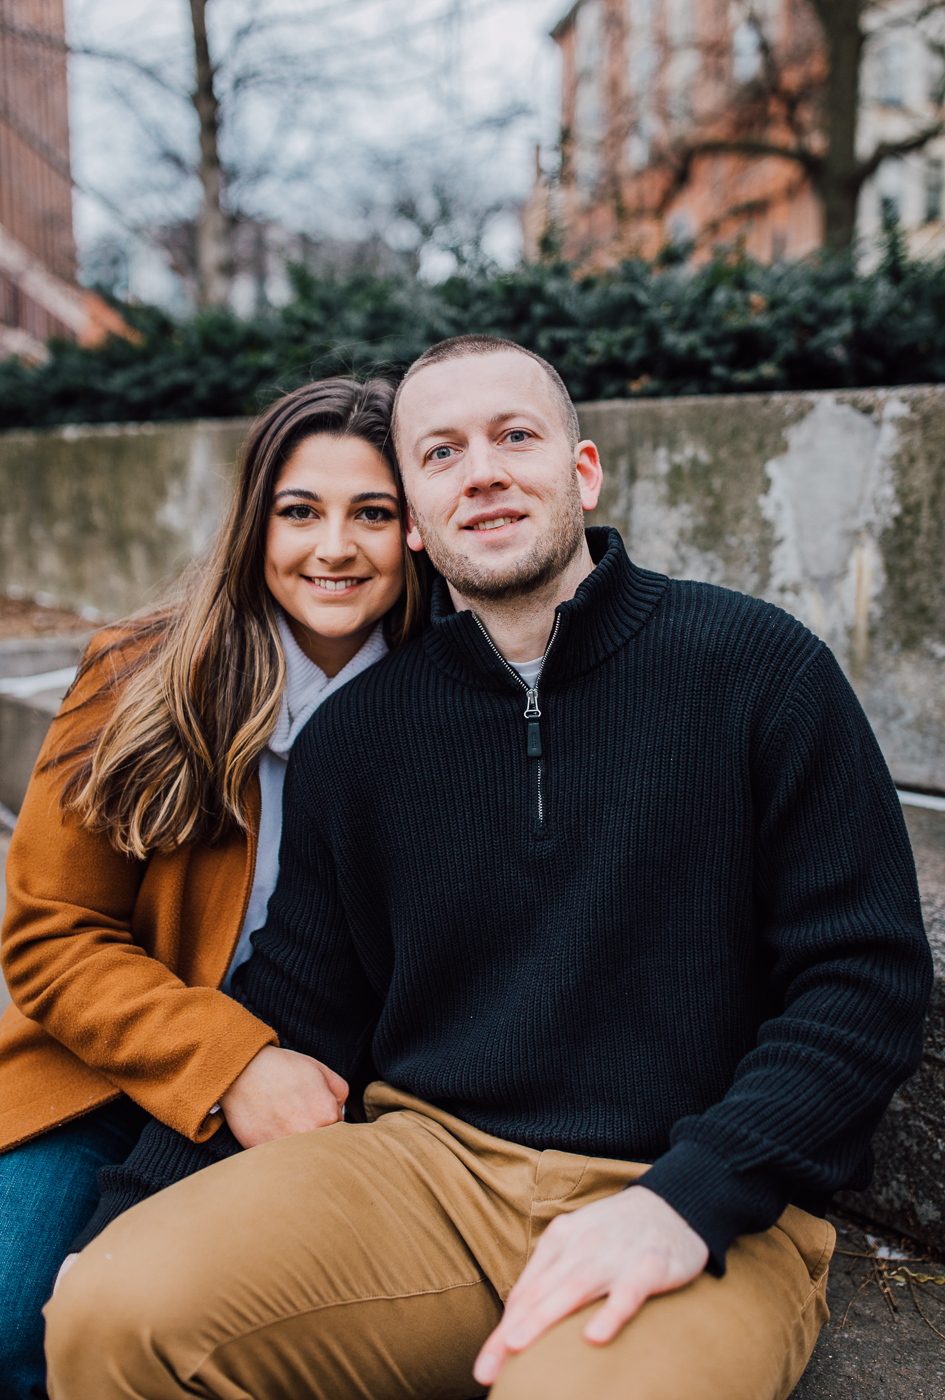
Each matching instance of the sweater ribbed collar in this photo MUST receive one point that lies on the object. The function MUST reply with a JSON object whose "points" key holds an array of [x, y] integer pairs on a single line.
{"points": [[307, 686], [609, 606]]}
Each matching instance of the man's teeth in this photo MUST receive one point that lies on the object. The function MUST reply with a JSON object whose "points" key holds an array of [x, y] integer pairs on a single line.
{"points": [[335, 585], [494, 524]]}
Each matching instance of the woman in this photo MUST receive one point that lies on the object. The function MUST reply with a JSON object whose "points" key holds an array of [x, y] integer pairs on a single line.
{"points": [[147, 846]]}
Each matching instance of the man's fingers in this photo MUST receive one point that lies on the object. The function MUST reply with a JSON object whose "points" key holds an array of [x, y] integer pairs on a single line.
{"points": [[624, 1248], [611, 1316], [528, 1316], [490, 1360]]}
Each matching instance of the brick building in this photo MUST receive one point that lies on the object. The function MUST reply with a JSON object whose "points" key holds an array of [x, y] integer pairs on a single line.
{"points": [[643, 80], [39, 296]]}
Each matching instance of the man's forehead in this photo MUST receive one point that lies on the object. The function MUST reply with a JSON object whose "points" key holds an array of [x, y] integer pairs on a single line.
{"points": [[480, 387]]}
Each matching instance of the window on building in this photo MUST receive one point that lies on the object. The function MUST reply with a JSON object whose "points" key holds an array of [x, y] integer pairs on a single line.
{"points": [[893, 73], [679, 23], [934, 187], [746, 53]]}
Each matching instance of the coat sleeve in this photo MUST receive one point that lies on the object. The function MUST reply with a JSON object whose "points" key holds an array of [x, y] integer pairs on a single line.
{"points": [[838, 906], [303, 977], [73, 966]]}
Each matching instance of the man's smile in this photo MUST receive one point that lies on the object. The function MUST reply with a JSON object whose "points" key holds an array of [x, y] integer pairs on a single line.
{"points": [[492, 522]]}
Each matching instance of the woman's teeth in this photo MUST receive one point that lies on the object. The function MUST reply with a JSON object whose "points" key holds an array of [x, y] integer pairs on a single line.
{"points": [[494, 524], [336, 585]]}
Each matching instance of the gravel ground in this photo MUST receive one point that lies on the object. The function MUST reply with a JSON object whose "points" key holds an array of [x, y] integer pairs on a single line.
{"points": [[877, 1345]]}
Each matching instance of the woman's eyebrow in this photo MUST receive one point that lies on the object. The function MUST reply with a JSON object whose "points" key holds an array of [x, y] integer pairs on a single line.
{"points": [[297, 491], [357, 500]]}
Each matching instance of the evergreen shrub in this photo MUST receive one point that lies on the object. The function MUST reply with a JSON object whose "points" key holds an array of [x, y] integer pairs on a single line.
{"points": [[642, 330]]}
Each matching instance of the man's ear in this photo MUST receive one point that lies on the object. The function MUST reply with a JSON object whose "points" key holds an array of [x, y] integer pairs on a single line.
{"points": [[590, 473], [414, 541]]}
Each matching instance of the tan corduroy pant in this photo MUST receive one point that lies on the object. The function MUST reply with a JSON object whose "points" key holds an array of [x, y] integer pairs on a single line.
{"points": [[371, 1260]]}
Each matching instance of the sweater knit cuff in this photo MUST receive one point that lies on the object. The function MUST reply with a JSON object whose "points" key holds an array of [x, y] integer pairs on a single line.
{"points": [[160, 1158], [718, 1202], [118, 1196]]}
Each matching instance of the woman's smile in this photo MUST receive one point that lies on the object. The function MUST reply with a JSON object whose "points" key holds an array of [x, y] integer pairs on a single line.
{"points": [[335, 585]]}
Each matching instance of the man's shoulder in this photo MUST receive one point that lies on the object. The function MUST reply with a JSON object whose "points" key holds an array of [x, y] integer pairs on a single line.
{"points": [[730, 649], [721, 620]]}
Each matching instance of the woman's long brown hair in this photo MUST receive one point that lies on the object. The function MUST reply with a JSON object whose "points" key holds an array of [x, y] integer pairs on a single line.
{"points": [[198, 680]]}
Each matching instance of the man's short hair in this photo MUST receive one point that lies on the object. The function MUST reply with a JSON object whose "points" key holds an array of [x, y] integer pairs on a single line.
{"points": [[458, 346]]}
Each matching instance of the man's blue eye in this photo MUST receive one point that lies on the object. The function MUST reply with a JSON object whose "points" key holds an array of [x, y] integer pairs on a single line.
{"points": [[517, 435]]}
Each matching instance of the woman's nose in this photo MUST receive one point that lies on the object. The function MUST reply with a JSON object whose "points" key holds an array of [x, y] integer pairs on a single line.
{"points": [[335, 542]]}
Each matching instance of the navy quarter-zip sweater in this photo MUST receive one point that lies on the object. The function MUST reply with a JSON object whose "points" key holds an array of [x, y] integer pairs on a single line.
{"points": [[686, 932]]}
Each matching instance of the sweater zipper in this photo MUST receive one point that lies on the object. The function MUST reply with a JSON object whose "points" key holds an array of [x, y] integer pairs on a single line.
{"points": [[532, 713]]}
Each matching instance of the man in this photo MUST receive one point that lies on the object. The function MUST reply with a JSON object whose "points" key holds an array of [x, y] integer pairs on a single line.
{"points": [[628, 902]]}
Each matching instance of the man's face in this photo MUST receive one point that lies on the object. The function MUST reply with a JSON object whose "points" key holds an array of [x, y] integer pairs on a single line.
{"points": [[497, 494]]}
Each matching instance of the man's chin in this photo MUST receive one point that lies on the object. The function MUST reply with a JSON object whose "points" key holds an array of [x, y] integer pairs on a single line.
{"points": [[486, 573], [498, 583]]}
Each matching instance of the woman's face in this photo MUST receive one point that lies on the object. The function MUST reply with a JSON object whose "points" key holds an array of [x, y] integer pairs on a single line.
{"points": [[334, 557]]}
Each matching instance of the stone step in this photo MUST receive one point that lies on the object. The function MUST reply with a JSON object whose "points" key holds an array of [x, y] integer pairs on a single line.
{"points": [[35, 673], [907, 1193], [24, 721]]}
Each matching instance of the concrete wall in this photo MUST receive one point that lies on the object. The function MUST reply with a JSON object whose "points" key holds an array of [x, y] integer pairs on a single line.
{"points": [[831, 505], [102, 518]]}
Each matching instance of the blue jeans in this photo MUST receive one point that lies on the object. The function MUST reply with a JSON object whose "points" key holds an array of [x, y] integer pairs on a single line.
{"points": [[47, 1193]]}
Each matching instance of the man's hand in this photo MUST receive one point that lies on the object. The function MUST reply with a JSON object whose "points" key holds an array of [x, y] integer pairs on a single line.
{"points": [[280, 1093], [624, 1248]]}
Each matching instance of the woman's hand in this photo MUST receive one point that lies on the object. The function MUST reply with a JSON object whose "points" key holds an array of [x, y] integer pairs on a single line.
{"points": [[280, 1093]]}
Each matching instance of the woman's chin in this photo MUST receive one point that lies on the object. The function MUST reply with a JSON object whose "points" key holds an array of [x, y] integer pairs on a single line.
{"points": [[335, 622]]}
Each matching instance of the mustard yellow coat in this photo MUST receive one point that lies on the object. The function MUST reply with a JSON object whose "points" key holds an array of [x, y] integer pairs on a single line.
{"points": [[113, 965]]}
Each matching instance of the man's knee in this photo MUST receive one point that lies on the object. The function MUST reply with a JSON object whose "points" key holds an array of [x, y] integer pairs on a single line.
{"points": [[745, 1337], [107, 1325]]}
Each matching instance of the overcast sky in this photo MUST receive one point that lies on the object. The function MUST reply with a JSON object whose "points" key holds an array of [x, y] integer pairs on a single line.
{"points": [[333, 107]]}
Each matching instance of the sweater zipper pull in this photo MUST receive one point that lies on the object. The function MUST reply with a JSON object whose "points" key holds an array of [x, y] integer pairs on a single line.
{"points": [[533, 714]]}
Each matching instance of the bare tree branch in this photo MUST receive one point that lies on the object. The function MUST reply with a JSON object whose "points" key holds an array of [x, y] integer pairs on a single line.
{"points": [[890, 150], [811, 162]]}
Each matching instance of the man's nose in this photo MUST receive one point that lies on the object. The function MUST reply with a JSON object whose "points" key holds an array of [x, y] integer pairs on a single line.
{"points": [[485, 469]]}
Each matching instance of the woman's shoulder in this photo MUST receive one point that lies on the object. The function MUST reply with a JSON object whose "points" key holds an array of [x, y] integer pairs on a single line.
{"points": [[111, 656]]}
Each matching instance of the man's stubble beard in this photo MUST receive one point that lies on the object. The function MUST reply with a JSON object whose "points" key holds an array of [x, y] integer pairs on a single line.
{"points": [[547, 558]]}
